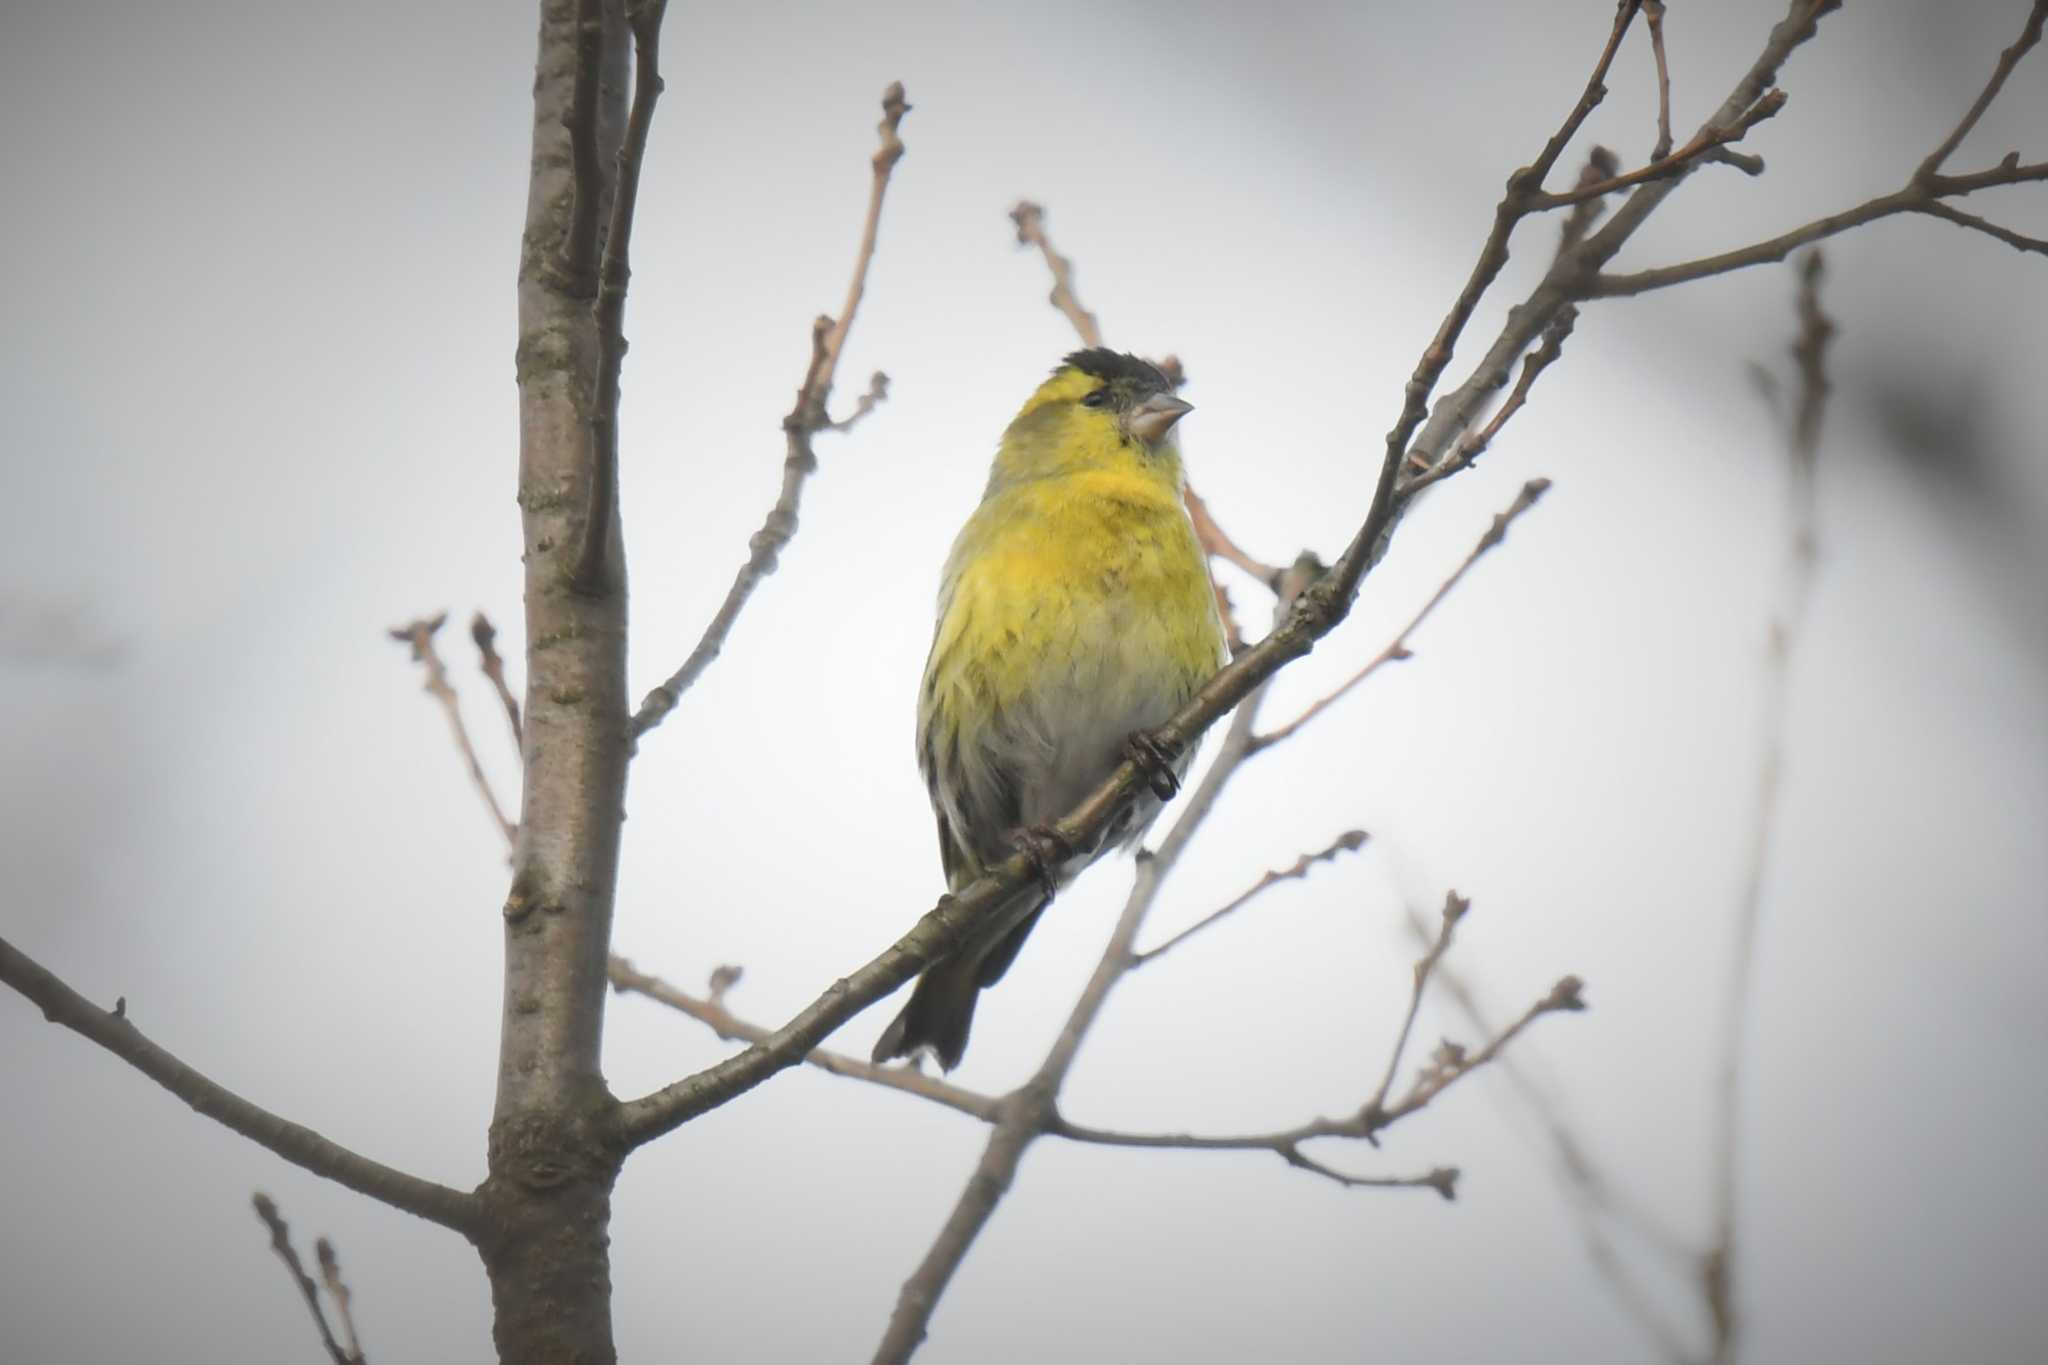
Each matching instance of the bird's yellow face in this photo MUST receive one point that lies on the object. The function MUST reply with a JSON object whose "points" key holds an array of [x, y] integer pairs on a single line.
{"points": [[1099, 411]]}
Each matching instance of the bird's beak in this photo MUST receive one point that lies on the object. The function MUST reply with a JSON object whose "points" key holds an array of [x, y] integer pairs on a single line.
{"points": [[1153, 418]]}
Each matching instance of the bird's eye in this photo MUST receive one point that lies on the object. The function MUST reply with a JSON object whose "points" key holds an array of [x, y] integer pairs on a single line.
{"points": [[1096, 399]]}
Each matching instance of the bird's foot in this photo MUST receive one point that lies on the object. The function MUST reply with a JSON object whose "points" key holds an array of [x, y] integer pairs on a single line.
{"points": [[1155, 759], [1048, 851]]}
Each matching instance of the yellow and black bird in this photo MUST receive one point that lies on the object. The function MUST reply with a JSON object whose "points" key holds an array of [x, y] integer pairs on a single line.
{"points": [[1075, 614]]}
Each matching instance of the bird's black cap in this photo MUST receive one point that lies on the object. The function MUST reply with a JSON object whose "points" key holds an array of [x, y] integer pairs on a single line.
{"points": [[1108, 365]]}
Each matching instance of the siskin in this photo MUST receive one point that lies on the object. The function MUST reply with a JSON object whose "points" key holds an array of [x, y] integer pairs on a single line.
{"points": [[1075, 615]]}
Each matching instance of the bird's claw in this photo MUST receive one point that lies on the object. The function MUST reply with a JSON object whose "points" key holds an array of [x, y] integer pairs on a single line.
{"points": [[1048, 851], [1155, 759]]}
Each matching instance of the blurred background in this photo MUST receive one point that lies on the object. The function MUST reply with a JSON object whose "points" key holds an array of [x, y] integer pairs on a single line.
{"points": [[258, 406]]}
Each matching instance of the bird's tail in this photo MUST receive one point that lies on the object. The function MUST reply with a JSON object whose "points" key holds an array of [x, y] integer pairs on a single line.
{"points": [[941, 1008], [940, 1012]]}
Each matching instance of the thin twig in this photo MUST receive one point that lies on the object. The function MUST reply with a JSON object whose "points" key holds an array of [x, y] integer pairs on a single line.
{"points": [[1709, 144], [1348, 842], [1515, 204], [1653, 15], [2017, 240], [805, 419], [1803, 445], [711, 1011], [1923, 198], [486, 637], [1449, 1064], [338, 1290], [593, 575], [114, 1031], [1030, 221], [1923, 193], [1569, 278], [1397, 649], [2030, 34], [1600, 164], [1454, 910], [281, 1243], [1474, 444], [1590, 1195], [876, 395], [419, 635]]}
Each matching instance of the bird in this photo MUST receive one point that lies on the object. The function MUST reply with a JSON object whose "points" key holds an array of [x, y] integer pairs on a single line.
{"points": [[1075, 616]]}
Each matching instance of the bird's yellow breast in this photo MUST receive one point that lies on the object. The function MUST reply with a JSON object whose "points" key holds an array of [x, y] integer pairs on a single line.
{"points": [[1086, 582]]}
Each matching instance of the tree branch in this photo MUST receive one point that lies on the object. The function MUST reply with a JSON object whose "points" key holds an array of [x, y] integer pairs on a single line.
{"points": [[1348, 842], [629, 980], [1448, 1064], [593, 574], [1704, 145], [1653, 15], [281, 1243], [1568, 278], [419, 635], [1923, 194], [1803, 447], [805, 419], [486, 637], [344, 1299], [301, 1146], [2030, 34], [1030, 221], [1397, 649]]}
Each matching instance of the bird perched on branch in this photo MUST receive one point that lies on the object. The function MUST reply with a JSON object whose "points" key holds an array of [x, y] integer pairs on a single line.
{"points": [[1075, 615]]}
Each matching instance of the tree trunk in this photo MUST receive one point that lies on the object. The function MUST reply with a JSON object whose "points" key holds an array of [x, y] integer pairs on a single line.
{"points": [[548, 1196]]}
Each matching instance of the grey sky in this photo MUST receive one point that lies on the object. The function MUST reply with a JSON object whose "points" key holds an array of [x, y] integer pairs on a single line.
{"points": [[258, 406]]}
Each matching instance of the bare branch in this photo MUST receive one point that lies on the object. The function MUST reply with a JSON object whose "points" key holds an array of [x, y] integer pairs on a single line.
{"points": [[1590, 1195], [805, 419], [1397, 649], [303, 1147], [593, 575], [1567, 280], [1922, 194], [1653, 15], [338, 1290], [878, 393], [1030, 221], [1287, 1145], [1718, 1284], [1348, 842], [1600, 164], [486, 637], [1454, 910], [1922, 197], [419, 635], [2030, 34], [1449, 1064], [281, 1243], [2017, 240], [1515, 204], [627, 979], [1709, 144]]}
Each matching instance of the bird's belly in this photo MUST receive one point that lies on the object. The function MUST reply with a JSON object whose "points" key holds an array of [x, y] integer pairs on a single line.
{"points": [[1087, 705]]}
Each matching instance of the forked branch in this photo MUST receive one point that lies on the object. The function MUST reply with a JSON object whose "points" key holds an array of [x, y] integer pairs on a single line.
{"points": [[806, 419]]}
